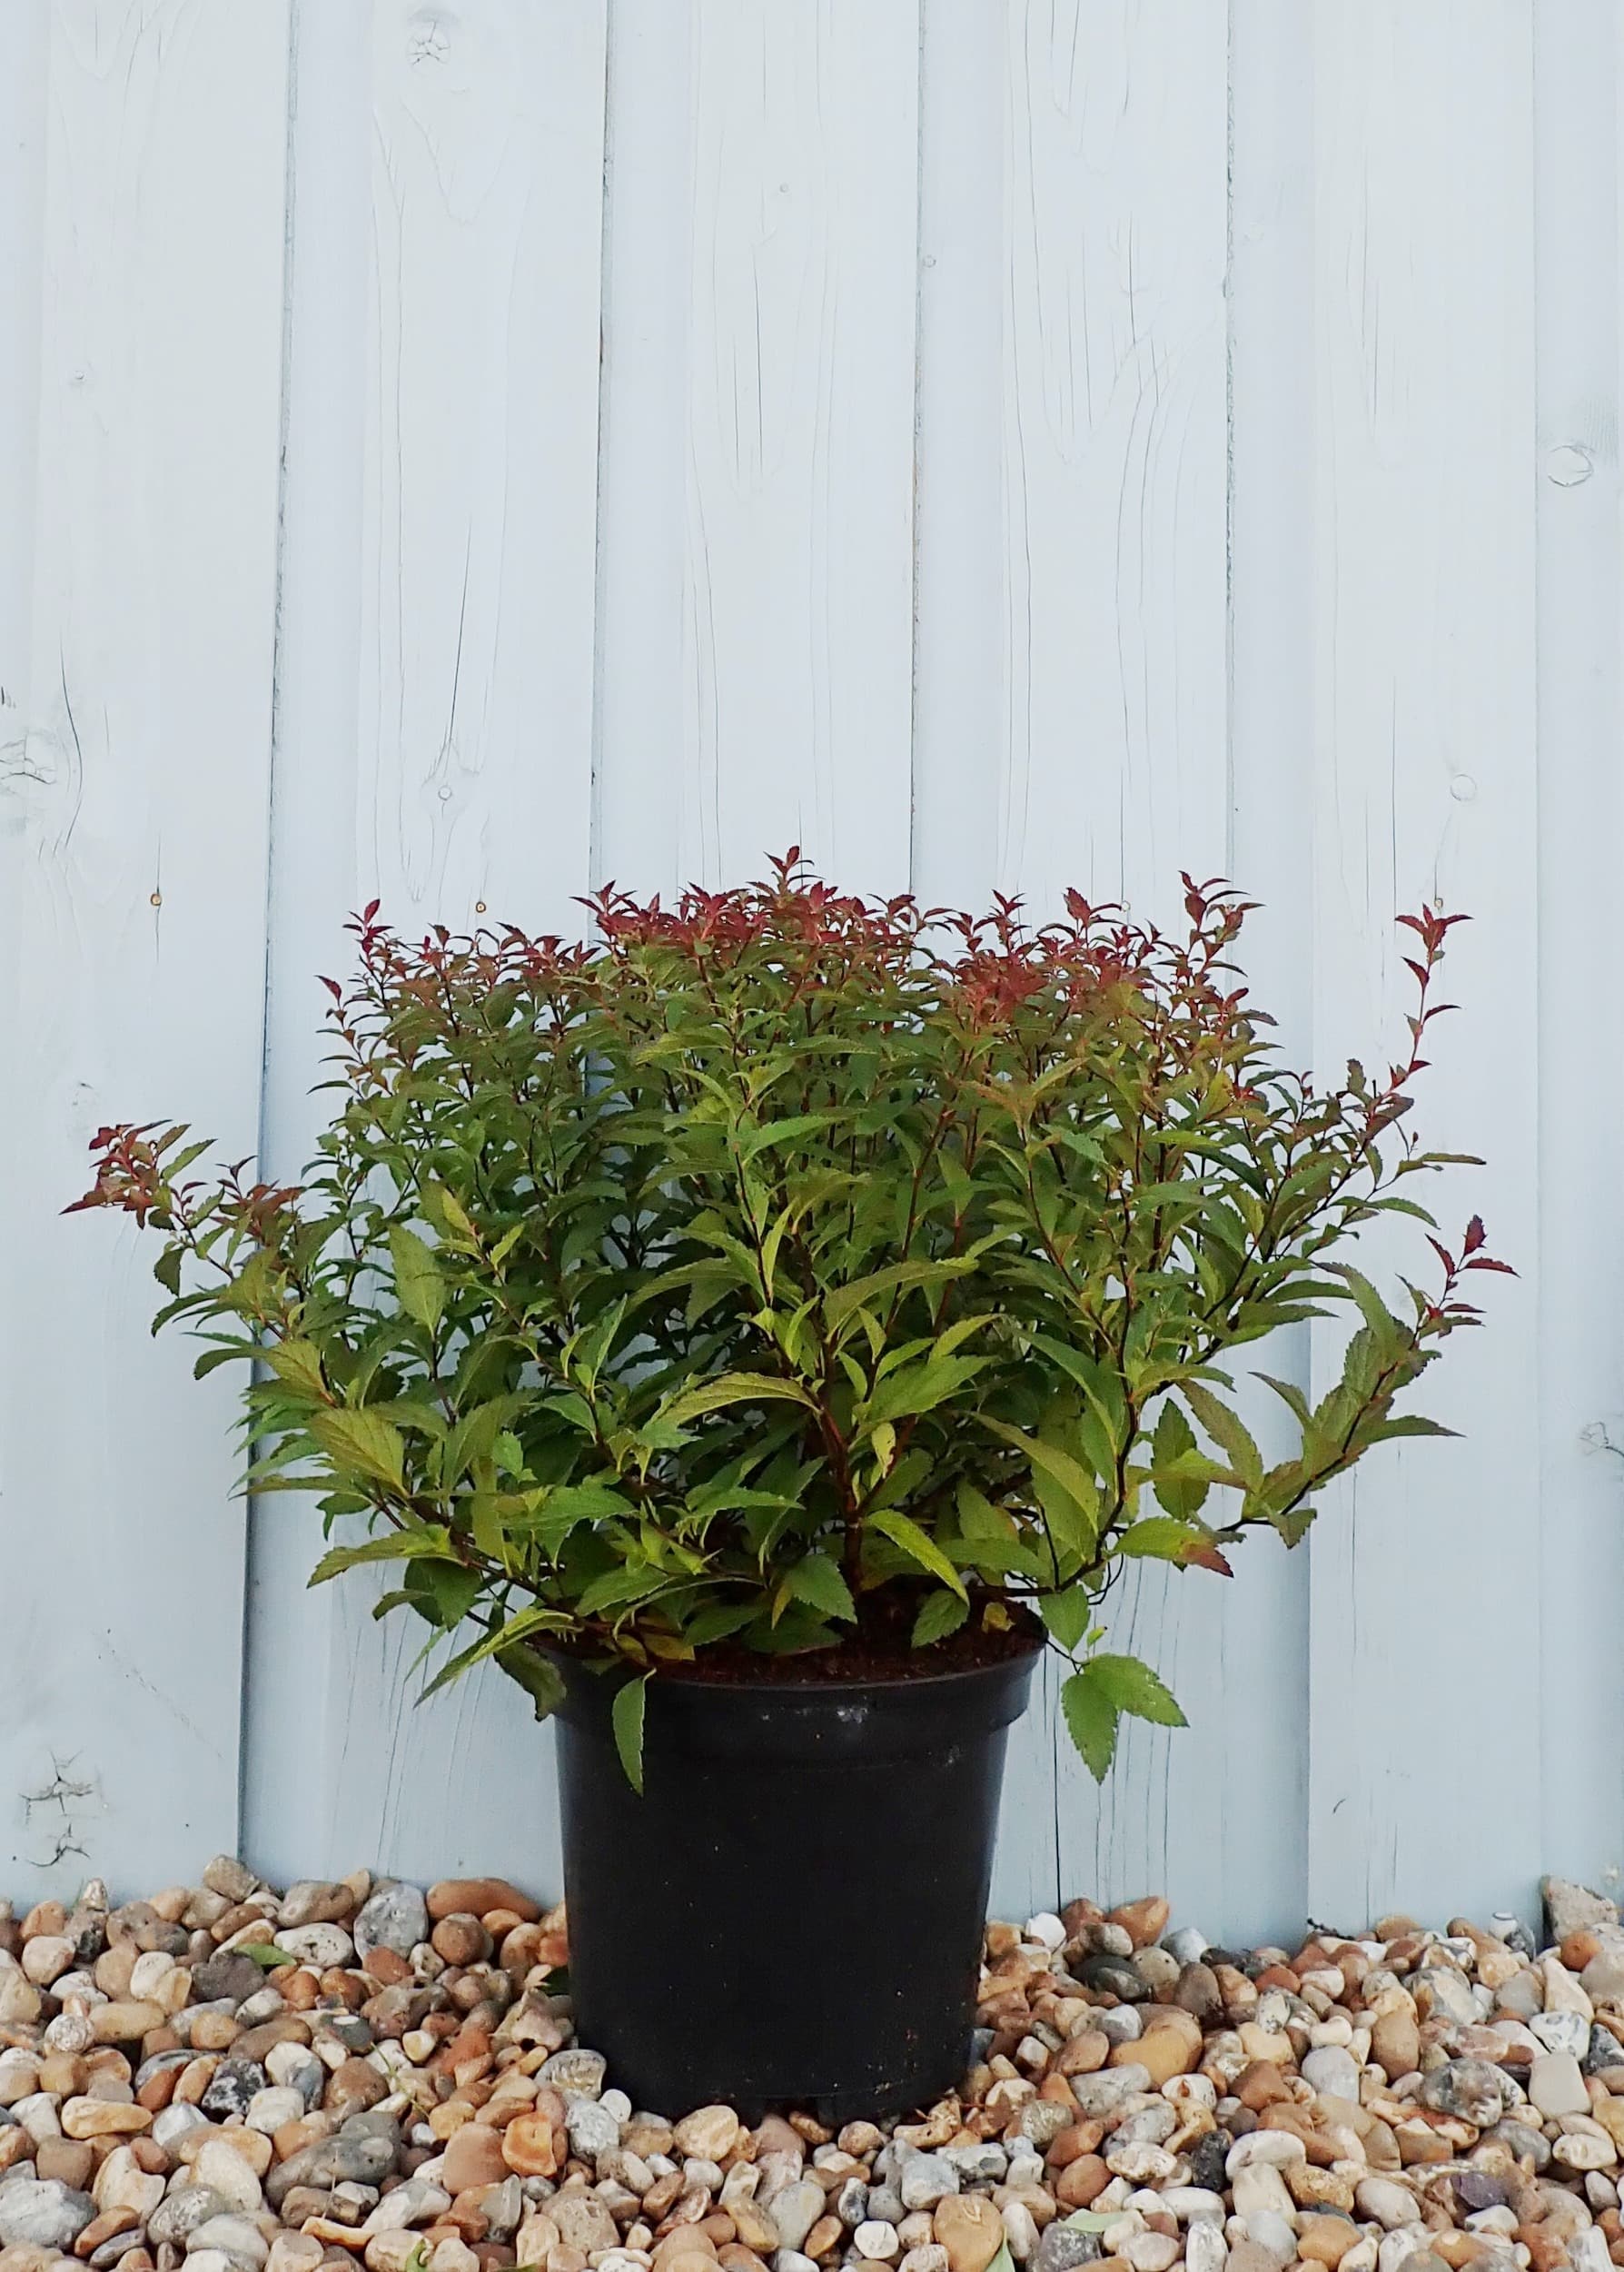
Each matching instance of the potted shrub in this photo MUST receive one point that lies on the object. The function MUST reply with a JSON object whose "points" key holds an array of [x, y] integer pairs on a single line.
{"points": [[759, 1330]]}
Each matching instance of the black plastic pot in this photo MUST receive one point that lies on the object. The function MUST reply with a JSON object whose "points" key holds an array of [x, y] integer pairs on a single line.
{"points": [[791, 1915]]}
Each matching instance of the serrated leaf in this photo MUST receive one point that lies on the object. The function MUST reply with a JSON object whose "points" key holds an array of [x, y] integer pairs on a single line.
{"points": [[1091, 1722], [750, 1141], [816, 1581], [1059, 1467], [297, 1365], [1133, 1688], [1066, 1614], [1174, 1440], [939, 1614], [904, 1532], [735, 1388], [839, 1305], [358, 1443], [627, 1714], [978, 1518], [388, 1546], [1225, 1429], [619, 1588], [914, 1389], [419, 1284], [1159, 1538]]}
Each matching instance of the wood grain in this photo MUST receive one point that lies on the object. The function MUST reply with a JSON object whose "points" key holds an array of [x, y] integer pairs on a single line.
{"points": [[783, 486], [434, 742], [1425, 789], [1581, 1404], [140, 416], [1111, 766]]}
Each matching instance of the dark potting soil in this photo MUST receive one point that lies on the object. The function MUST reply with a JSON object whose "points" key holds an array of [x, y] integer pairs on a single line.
{"points": [[878, 1648]]}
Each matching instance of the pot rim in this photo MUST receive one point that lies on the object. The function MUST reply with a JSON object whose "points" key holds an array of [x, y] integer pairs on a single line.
{"points": [[667, 1676]]}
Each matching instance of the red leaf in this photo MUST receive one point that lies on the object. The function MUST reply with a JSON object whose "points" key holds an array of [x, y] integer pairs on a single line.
{"points": [[1206, 1557], [1475, 1236]]}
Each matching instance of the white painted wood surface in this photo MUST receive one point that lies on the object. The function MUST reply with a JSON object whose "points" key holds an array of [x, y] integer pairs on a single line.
{"points": [[139, 389], [434, 728], [997, 443]]}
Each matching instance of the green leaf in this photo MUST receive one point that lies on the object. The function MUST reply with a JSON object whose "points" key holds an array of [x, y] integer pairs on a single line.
{"points": [[1159, 1538], [1174, 1440], [775, 1132], [619, 1588], [904, 1532], [1101, 1386], [1133, 1687], [1066, 1614], [914, 1389], [1225, 1429], [265, 1953], [432, 1539], [818, 1582], [1091, 1722], [538, 1675], [978, 1518], [735, 1388], [1073, 1479], [357, 1442], [627, 1713], [940, 1614], [859, 1293], [417, 1280], [297, 1365]]}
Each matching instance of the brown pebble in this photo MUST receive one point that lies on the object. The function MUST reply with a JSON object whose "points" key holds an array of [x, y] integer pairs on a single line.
{"points": [[1261, 2085], [475, 1896], [474, 2157], [1081, 2181], [1143, 1921], [104, 2227], [66, 2158], [214, 2031], [529, 2147], [461, 1939]]}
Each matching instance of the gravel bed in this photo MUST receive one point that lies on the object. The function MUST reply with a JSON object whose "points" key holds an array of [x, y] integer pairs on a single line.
{"points": [[406, 2094]]}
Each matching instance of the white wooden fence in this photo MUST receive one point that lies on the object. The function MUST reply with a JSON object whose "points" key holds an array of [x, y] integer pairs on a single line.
{"points": [[467, 449]]}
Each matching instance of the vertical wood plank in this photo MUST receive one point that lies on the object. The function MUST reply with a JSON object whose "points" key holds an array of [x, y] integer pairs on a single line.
{"points": [[789, 215], [960, 707], [1114, 766], [1578, 184], [1258, 1745], [1114, 760], [141, 371], [458, 580], [1424, 483]]}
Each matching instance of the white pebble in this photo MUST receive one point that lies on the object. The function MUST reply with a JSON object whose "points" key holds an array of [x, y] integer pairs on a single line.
{"points": [[877, 2240], [1045, 1928], [1205, 2248], [1020, 2230]]}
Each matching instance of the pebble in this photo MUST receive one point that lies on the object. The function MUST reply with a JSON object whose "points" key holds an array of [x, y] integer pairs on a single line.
{"points": [[406, 2096], [42, 2213], [1556, 2086], [396, 1917]]}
